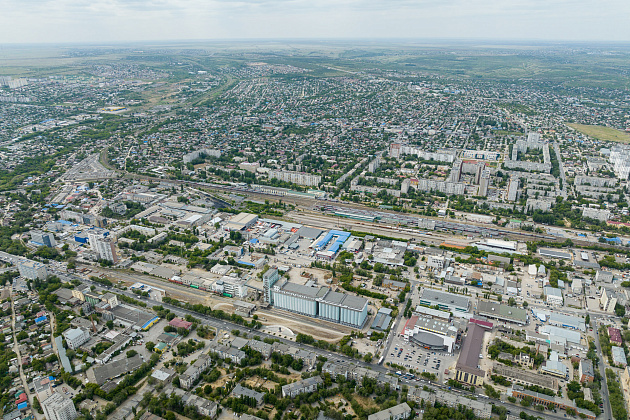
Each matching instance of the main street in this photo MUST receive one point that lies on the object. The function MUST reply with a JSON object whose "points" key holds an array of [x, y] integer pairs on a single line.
{"points": [[333, 357], [602, 371]]}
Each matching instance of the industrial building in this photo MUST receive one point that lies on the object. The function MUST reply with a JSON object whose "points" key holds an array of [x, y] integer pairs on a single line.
{"points": [[320, 302], [445, 301], [524, 377], [551, 253], [494, 310], [567, 321], [467, 369], [270, 277], [557, 335], [326, 251], [242, 221], [230, 286], [497, 245], [555, 367]]}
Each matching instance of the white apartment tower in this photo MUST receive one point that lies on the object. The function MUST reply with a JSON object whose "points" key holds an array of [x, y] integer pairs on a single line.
{"points": [[106, 249], [59, 407]]}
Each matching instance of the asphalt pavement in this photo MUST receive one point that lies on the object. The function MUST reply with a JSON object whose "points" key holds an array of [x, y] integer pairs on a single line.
{"points": [[227, 325]]}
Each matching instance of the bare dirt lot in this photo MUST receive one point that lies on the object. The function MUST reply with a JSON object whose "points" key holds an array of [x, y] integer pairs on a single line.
{"points": [[320, 330]]}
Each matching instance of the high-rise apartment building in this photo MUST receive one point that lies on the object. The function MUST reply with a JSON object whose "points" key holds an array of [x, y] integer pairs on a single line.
{"points": [[59, 407]]}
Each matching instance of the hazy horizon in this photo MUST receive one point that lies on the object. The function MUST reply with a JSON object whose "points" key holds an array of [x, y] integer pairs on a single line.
{"points": [[103, 21]]}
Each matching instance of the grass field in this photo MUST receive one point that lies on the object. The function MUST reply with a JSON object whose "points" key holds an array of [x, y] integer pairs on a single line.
{"points": [[600, 132]]}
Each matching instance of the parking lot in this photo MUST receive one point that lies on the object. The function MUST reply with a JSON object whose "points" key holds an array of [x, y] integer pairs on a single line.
{"points": [[417, 359]]}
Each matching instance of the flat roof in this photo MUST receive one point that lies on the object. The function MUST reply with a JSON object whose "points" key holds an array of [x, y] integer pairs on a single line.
{"points": [[354, 302], [309, 232], [243, 218], [333, 297], [435, 313], [572, 321], [501, 311], [119, 367], [300, 289], [554, 254], [501, 244], [552, 291], [569, 335], [132, 315], [444, 298]]}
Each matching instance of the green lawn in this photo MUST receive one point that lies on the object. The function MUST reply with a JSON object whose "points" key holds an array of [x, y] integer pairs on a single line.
{"points": [[600, 132]]}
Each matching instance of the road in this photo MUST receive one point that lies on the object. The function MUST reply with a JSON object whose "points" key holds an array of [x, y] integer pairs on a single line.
{"points": [[16, 347], [333, 357], [209, 299], [602, 370]]}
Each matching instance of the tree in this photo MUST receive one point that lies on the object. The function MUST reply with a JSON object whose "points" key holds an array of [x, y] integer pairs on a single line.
{"points": [[587, 320], [150, 345], [131, 353], [620, 310]]}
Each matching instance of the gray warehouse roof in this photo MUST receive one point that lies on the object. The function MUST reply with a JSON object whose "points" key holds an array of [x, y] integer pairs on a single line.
{"points": [[309, 232], [333, 297], [117, 368], [341, 299], [300, 289], [554, 254], [500, 311], [444, 298]]}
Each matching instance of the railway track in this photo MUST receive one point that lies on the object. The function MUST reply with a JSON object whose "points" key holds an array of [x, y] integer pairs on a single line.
{"points": [[463, 228]]}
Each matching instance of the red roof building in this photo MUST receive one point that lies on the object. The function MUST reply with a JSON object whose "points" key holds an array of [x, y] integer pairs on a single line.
{"points": [[180, 323], [615, 336]]}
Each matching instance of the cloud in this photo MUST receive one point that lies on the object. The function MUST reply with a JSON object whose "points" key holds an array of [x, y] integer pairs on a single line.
{"points": [[24, 21]]}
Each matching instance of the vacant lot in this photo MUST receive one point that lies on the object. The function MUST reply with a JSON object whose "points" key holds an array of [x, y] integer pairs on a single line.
{"points": [[602, 133]]}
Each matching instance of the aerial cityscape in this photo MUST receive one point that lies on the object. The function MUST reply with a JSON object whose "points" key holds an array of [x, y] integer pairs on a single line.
{"points": [[314, 229]]}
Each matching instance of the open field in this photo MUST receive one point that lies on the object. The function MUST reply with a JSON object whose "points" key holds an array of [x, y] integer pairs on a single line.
{"points": [[602, 133]]}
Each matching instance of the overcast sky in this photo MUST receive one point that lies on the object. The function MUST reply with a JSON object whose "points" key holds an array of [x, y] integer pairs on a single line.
{"points": [[35, 21]]}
